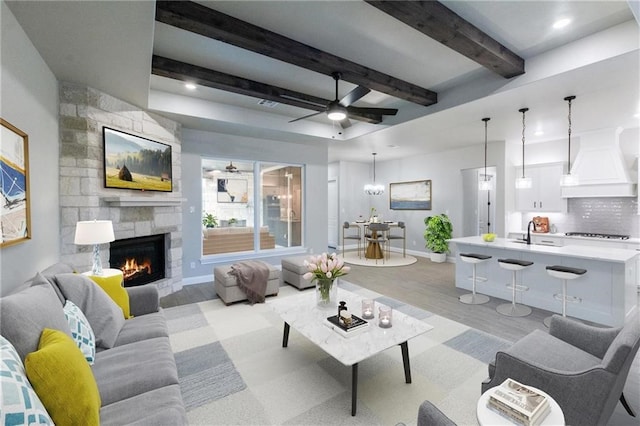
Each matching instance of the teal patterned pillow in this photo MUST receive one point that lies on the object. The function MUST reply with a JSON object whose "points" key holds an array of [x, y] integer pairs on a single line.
{"points": [[81, 331], [19, 404]]}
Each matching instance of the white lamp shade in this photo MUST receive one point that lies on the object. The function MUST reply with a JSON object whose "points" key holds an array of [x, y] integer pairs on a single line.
{"points": [[485, 185], [373, 189], [569, 180], [523, 183], [94, 232], [337, 115]]}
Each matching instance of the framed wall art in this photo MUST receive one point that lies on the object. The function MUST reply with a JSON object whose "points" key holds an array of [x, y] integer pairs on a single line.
{"points": [[15, 216], [232, 191], [134, 162], [415, 195]]}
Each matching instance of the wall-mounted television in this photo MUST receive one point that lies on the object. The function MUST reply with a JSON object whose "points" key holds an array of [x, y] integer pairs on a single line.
{"points": [[134, 162]]}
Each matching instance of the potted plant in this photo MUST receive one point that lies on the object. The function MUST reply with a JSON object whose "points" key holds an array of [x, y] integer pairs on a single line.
{"points": [[438, 231], [209, 220], [233, 221]]}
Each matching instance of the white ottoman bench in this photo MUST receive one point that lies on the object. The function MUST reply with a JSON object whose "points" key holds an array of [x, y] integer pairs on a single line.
{"points": [[292, 271], [227, 288]]}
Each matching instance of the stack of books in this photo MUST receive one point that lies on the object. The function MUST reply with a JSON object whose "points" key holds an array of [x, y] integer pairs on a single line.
{"points": [[521, 404], [356, 326]]}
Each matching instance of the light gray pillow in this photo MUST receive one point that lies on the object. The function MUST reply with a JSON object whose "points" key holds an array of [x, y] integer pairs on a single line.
{"points": [[25, 314], [50, 272], [104, 315]]}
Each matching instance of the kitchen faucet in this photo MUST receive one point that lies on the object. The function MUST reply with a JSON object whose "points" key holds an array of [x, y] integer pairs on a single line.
{"points": [[528, 239]]}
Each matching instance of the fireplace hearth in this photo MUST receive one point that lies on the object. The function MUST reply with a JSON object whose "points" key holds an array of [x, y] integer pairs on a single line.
{"points": [[141, 259]]}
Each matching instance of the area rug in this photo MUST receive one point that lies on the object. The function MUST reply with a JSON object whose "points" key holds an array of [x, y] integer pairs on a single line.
{"points": [[234, 371], [395, 259]]}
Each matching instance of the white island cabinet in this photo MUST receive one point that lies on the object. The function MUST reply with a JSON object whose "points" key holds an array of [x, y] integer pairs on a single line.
{"points": [[607, 291]]}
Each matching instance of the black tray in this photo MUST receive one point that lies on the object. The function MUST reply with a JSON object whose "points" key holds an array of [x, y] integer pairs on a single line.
{"points": [[356, 322]]}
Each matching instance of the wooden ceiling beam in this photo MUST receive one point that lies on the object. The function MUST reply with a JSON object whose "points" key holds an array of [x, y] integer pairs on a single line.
{"points": [[442, 24], [210, 23], [177, 70]]}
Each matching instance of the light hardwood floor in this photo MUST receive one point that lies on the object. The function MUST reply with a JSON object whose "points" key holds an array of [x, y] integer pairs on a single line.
{"points": [[431, 286]]}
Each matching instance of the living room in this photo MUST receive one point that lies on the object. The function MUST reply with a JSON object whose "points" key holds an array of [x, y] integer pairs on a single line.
{"points": [[64, 120]]}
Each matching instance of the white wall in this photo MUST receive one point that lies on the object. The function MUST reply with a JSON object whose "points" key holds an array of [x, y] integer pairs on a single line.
{"points": [[29, 93], [197, 144], [444, 171]]}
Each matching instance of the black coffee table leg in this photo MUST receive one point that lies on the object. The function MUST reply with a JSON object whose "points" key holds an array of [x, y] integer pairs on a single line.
{"points": [[285, 336], [354, 388], [405, 360]]}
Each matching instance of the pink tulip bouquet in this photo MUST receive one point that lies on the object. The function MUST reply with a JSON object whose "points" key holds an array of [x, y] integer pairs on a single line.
{"points": [[325, 269]]}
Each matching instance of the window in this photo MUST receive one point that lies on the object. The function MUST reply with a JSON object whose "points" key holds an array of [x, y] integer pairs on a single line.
{"points": [[238, 194]]}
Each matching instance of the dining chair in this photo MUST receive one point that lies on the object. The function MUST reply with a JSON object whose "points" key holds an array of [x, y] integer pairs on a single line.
{"points": [[403, 237], [351, 236], [378, 236]]}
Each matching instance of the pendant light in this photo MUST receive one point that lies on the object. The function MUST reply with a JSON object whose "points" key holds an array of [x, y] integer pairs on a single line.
{"points": [[569, 179], [372, 188], [485, 184], [523, 182]]}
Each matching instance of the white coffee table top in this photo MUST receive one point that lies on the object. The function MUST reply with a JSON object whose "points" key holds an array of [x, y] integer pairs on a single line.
{"points": [[488, 417], [302, 314]]}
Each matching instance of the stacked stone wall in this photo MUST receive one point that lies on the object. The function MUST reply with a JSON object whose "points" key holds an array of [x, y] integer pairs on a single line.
{"points": [[84, 111]]}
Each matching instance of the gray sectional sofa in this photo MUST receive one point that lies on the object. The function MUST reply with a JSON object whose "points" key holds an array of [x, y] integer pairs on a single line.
{"points": [[134, 366]]}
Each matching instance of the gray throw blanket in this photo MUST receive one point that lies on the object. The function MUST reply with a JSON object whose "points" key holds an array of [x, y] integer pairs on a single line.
{"points": [[251, 276]]}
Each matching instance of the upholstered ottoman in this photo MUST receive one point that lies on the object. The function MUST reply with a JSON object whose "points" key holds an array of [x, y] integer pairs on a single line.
{"points": [[292, 271], [227, 287]]}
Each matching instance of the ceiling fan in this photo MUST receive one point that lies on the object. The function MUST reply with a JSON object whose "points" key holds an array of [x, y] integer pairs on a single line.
{"points": [[231, 168], [338, 110]]}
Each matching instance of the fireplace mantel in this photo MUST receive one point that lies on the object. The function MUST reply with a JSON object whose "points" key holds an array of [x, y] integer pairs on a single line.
{"points": [[143, 201]]}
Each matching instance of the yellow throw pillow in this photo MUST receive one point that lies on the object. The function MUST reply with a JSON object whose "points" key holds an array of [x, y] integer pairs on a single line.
{"points": [[63, 380], [113, 287]]}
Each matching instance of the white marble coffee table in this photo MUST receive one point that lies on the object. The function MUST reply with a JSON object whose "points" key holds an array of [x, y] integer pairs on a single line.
{"points": [[301, 313]]}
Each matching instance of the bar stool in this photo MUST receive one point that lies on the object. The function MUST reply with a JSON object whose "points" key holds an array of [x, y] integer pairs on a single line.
{"points": [[473, 298], [564, 273], [513, 309]]}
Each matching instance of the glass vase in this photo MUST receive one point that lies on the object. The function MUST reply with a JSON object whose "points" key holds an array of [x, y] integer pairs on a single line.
{"points": [[327, 293]]}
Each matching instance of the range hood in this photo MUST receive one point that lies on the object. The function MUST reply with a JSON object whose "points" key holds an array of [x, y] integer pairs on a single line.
{"points": [[600, 167]]}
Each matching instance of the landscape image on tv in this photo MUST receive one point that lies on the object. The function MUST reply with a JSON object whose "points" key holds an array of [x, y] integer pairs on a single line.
{"points": [[133, 162]]}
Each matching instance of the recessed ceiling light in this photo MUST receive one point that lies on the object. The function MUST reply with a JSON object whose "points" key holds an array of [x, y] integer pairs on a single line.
{"points": [[561, 23], [190, 86], [539, 132]]}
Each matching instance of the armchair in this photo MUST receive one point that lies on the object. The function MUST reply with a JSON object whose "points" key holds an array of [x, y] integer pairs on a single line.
{"points": [[584, 368], [430, 415]]}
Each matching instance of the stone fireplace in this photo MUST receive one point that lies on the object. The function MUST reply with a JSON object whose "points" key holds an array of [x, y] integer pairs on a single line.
{"points": [[83, 113], [141, 259]]}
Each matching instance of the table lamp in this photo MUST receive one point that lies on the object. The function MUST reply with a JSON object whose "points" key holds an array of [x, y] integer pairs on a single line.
{"points": [[94, 232]]}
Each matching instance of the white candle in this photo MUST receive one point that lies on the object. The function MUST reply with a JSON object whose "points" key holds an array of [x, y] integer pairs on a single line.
{"points": [[384, 321], [367, 313]]}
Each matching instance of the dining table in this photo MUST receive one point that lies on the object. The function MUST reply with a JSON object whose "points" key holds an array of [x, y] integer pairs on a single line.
{"points": [[373, 249]]}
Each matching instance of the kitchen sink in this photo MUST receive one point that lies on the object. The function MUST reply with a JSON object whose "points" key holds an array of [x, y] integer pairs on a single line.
{"points": [[519, 242]]}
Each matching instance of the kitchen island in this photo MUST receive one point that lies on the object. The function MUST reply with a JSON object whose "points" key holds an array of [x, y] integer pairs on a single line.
{"points": [[608, 289]]}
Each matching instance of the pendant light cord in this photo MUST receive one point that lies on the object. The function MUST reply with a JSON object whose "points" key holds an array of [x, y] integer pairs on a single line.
{"points": [[523, 110], [485, 146], [374, 167], [569, 99]]}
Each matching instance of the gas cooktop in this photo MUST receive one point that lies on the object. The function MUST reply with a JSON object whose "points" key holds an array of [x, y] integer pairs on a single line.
{"points": [[595, 235]]}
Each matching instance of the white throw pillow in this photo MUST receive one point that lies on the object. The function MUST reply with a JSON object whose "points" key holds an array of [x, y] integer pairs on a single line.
{"points": [[81, 331], [20, 403]]}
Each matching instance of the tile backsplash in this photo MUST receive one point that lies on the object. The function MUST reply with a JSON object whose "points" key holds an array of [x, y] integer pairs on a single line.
{"points": [[598, 215]]}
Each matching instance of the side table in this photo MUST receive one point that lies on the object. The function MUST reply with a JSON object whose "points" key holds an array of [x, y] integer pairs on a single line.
{"points": [[487, 417]]}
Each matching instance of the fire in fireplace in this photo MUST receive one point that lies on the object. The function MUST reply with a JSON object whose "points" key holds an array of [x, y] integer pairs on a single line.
{"points": [[140, 259]]}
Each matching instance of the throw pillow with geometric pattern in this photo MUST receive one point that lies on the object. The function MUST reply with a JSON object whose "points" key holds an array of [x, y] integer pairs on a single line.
{"points": [[20, 404], [81, 331]]}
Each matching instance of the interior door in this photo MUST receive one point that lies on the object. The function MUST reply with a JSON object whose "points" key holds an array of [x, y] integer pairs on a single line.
{"points": [[332, 205]]}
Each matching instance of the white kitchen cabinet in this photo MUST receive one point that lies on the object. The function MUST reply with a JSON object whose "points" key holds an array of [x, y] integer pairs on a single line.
{"points": [[547, 240], [545, 194]]}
